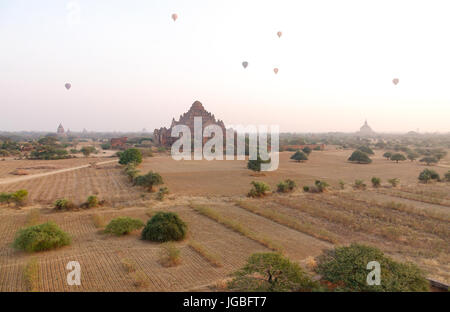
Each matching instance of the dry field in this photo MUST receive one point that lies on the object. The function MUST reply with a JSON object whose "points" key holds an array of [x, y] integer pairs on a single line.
{"points": [[410, 222], [9, 165]]}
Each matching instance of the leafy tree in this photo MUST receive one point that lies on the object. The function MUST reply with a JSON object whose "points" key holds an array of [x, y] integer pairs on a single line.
{"points": [[429, 160], [41, 237], [271, 272], [387, 155], [163, 227], [360, 157], [88, 150], [398, 157], [439, 154], [149, 180], [307, 150], [347, 268], [259, 189], [412, 156], [366, 149], [426, 175], [376, 182], [123, 225], [131, 155], [299, 156]]}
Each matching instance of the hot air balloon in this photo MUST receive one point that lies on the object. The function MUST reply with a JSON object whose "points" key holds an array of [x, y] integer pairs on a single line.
{"points": [[174, 17], [275, 70], [68, 86], [279, 34], [395, 81], [245, 64]]}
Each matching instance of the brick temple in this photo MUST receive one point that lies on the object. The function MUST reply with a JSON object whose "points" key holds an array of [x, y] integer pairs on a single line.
{"points": [[162, 136]]}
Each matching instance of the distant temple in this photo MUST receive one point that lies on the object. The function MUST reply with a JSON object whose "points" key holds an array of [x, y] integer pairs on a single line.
{"points": [[366, 129], [60, 131], [163, 136], [119, 143]]}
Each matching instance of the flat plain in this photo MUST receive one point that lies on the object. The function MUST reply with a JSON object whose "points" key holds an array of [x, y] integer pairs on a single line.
{"points": [[409, 222]]}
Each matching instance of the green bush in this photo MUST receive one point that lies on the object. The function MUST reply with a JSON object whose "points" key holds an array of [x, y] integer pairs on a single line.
{"points": [[163, 227], [163, 191], [271, 272], [359, 185], [41, 237], [131, 172], [259, 189], [305, 188], [299, 156], [286, 186], [341, 184], [426, 175], [19, 197], [376, 182], [123, 225], [131, 155], [347, 268], [447, 176], [255, 164], [394, 182], [307, 150], [92, 201], [360, 157], [321, 185], [149, 180], [63, 204]]}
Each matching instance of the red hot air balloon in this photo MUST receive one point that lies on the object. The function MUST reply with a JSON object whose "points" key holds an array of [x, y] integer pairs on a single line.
{"points": [[68, 86], [174, 17], [395, 81], [275, 70], [279, 34], [245, 64]]}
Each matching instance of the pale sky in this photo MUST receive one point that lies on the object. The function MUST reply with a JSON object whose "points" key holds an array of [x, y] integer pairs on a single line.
{"points": [[132, 67]]}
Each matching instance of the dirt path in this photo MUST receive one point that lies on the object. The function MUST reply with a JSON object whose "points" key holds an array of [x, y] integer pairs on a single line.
{"points": [[38, 175]]}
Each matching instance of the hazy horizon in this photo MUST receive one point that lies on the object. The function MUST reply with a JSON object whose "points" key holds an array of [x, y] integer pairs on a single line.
{"points": [[132, 67]]}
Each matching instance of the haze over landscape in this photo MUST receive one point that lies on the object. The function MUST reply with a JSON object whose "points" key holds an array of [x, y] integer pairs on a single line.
{"points": [[132, 67]]}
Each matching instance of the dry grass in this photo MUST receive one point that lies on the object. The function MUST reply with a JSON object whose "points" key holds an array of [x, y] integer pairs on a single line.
{"points": [[417, 197], [128, 265], [99, 221], [288, 221], [202, 251], [33, 217], [237, 227], [31, 275], [170, 255], [140, 279]]}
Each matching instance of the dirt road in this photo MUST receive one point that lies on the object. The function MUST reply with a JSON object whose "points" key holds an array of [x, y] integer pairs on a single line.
{"points": [[38, 175]]}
